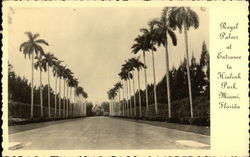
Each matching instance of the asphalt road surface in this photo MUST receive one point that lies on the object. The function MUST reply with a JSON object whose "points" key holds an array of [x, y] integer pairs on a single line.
{"points": [[106, 133]]}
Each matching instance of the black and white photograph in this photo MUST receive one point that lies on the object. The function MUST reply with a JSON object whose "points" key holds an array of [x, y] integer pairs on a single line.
{"points": [[108, 78]]}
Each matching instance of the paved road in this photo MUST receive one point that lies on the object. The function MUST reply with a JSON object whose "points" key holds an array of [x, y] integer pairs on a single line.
{"points": [[107, 133]]}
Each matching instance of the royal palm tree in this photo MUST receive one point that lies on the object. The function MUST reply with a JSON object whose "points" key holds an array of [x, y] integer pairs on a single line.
{"points": [[66, 75], [132, 68], [81, 92], [75, 94], [78, 94], [127, 68], [60, 77], [142, 44], [110, 103], [56, 73], [123, 77], [41, 65], [118, 86], [137, 64], [29, 48], [71, 84], [85, 96], [50, 60], [150, 35], [111, 95], [161, 32], [70, 78], [184, 18]]}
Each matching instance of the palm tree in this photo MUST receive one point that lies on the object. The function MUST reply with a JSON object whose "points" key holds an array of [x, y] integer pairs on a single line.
{"points": [[60, 76], [123, 77], [142, 44], [69, 79], [123, 98], [118, 86], [50, 60], [71, 84], [127, 68], [184, 17], [111, 95], [64, 77], [150, 35], [81, 92], [67, 73], [29, 48], [132, 68], [161, 37], [110, 98], [78, 94], [137, 64], [75, 93], [42, 67], [85, 96], [56, 73]]}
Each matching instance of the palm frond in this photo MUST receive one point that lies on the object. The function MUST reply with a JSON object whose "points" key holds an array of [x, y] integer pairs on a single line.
{"points": [[35, 36], [42, 42], [24, 44], [155, 22], [173, 37], [39, 50], [30, 35], [144, 30]]}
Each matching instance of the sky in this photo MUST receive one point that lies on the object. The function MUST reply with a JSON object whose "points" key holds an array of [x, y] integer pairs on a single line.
{"points": [[95, 42]]}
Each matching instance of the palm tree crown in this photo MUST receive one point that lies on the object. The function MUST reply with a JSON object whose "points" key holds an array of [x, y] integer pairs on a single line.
{"points": [[142, 42], [136, 63], [180, 16], [160, 28], [32, 45], [40, 64]]}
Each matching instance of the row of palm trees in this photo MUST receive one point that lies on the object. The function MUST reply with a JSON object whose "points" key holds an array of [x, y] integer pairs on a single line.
{"points": [[44, 62], [157, 34]]}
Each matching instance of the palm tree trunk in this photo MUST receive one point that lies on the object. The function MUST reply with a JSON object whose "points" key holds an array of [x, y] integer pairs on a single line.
{"points": [[41, 93], [153, 62], [125, 98], [73, 107], [71, 111], [32, 86], [139, 92], [55, 94], [167, 77], [85, 108], [67, 102], [119, 101], [130, 101], [60, 97], [111, 107], [125, 102], [188, 71], [134, 94], [122, 98], [48, 93], [127, 109], [146, 83], [64, 105]]}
